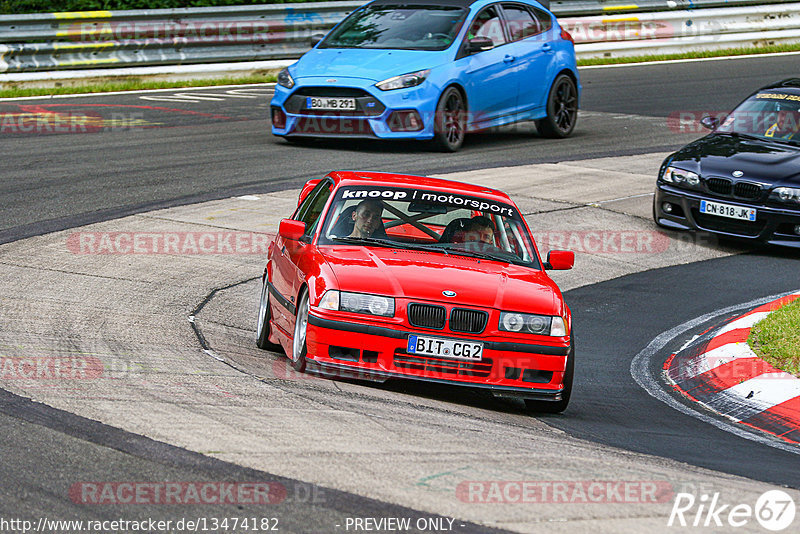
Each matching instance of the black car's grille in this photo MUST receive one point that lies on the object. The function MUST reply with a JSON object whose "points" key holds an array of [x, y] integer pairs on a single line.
{"points": [[727, 225], [720, 186], [747, 190], [426, 316], [469, 321], [403, 360]]}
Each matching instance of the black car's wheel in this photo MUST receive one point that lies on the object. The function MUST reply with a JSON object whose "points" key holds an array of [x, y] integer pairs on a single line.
{"points": [[562, 109], [263, 328], [450, 122], [299, 347], [537, 406]]}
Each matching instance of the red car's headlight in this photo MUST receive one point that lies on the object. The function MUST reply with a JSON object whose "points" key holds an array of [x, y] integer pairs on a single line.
{"points": [[526, 323], [357, 303]]}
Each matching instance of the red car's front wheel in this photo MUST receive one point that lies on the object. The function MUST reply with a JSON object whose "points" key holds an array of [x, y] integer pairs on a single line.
{"points": [[299, 347]]}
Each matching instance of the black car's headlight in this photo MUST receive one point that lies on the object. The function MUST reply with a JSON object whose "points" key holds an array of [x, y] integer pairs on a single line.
{"points": [[677, 176], [786, 194], [285, 79], [526, 323], [357, 303], [406, 80]]}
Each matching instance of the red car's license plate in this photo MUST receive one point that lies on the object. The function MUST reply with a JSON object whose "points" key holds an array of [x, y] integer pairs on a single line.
{"points": [[445, 348]]}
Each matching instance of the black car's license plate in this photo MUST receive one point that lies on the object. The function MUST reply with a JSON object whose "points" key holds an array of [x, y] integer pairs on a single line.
{"points": [[727, 210]]}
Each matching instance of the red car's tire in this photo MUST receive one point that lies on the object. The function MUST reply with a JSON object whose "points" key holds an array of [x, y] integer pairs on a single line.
{"points": [[299, 346], [537, 406], [263, 328]]}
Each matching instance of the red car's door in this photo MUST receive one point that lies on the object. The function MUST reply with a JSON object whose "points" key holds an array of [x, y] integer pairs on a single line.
{"points": [[286, 255]]}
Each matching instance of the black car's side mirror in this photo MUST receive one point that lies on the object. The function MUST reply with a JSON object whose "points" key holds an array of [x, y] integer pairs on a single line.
{"points": [[479, 44], [317, 38], [710, 122]]}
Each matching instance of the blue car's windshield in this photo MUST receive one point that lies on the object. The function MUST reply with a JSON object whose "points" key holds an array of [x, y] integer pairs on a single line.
{"points": [[398, 28]]}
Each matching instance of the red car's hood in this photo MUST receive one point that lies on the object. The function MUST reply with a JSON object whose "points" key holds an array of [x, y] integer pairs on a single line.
{"points": [[424, 275]]}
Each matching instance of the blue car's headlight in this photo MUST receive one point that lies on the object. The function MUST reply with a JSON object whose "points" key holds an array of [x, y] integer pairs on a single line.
{"points": [[406, 80], [285, 79]]}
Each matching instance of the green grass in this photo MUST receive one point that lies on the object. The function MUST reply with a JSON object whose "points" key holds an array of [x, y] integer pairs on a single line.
{"points": [[776, 339], [131, 84], [136, 83], [692, 55]]}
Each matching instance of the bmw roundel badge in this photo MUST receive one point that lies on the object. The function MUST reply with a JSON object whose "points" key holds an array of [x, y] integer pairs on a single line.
{"points": [[448, 293], [737, 174]]}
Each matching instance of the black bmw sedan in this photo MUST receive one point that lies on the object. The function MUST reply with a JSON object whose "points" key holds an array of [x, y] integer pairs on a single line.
{"points": [[743, 179]]}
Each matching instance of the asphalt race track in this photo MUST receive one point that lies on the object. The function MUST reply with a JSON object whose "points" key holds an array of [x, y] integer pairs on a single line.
{"points": [[120, 155]]}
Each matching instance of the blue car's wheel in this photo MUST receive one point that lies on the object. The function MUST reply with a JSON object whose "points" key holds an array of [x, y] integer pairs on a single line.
{"points": [[450, 123], [562, 109]]}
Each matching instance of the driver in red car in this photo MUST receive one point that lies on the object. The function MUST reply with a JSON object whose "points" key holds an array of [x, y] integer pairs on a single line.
{"points": [[367, 218]]}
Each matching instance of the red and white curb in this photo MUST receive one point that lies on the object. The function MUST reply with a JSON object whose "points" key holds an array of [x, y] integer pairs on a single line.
{"points": [[724, 374]]}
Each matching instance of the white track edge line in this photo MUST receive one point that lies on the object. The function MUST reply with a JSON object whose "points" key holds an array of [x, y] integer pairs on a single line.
{"points": [[641, 374]]}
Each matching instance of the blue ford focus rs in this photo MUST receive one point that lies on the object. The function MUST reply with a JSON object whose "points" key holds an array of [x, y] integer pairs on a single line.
{"points": [[432, 70]]}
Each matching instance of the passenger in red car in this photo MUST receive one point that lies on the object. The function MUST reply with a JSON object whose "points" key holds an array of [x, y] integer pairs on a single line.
{"points": [[479, 229]]}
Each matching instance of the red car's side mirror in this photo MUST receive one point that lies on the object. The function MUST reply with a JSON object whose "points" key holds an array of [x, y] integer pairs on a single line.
{"points": [[291, 229], [310, 185], [560, 260]]}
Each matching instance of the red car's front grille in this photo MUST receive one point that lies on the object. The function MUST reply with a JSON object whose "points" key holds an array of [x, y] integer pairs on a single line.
{"points": [[403, 360]]}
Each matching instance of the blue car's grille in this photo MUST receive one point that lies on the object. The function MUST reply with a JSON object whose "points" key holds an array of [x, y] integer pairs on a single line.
{"points": [[366, 104], [325, 126]]}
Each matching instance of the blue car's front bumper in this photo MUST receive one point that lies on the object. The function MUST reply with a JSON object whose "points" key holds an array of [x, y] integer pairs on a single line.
{"points": [[378, 114]]}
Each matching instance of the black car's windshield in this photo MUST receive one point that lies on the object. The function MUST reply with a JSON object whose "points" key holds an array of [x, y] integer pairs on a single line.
{"points": [[398, 27], [420, 219], [771, 115]]}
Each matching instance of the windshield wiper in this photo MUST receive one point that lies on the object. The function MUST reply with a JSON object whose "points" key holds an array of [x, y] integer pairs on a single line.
{"points": [[388, 243], [743, 135]]}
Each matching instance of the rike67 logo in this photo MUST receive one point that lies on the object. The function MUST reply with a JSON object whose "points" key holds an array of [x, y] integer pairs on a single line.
{"points": [[774, 510]]}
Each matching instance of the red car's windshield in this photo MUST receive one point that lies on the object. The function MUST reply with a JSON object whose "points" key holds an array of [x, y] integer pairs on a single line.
{"points": [[415, 218]]}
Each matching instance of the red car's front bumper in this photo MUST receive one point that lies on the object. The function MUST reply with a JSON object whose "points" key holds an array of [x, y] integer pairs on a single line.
{"points": [[509, 368]]}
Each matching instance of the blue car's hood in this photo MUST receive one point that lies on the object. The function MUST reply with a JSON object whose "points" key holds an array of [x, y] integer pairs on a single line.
{"points": [[369, 64]]}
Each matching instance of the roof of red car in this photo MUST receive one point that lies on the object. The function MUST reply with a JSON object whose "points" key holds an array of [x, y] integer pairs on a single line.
{"points": [[408, 180]]}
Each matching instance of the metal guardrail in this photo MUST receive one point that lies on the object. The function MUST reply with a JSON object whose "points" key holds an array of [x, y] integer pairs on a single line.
{"points": [[58, 41], [681, 31]]}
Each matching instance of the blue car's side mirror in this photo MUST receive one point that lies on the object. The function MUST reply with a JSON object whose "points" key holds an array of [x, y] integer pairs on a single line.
{"points": [[479, 44]]}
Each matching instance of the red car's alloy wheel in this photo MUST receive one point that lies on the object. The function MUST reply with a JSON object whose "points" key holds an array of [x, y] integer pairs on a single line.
{"points": [[299, 348]]}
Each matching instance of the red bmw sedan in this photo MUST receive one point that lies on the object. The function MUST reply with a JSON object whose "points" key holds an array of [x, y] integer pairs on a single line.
{"points": [[380, 276]]}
